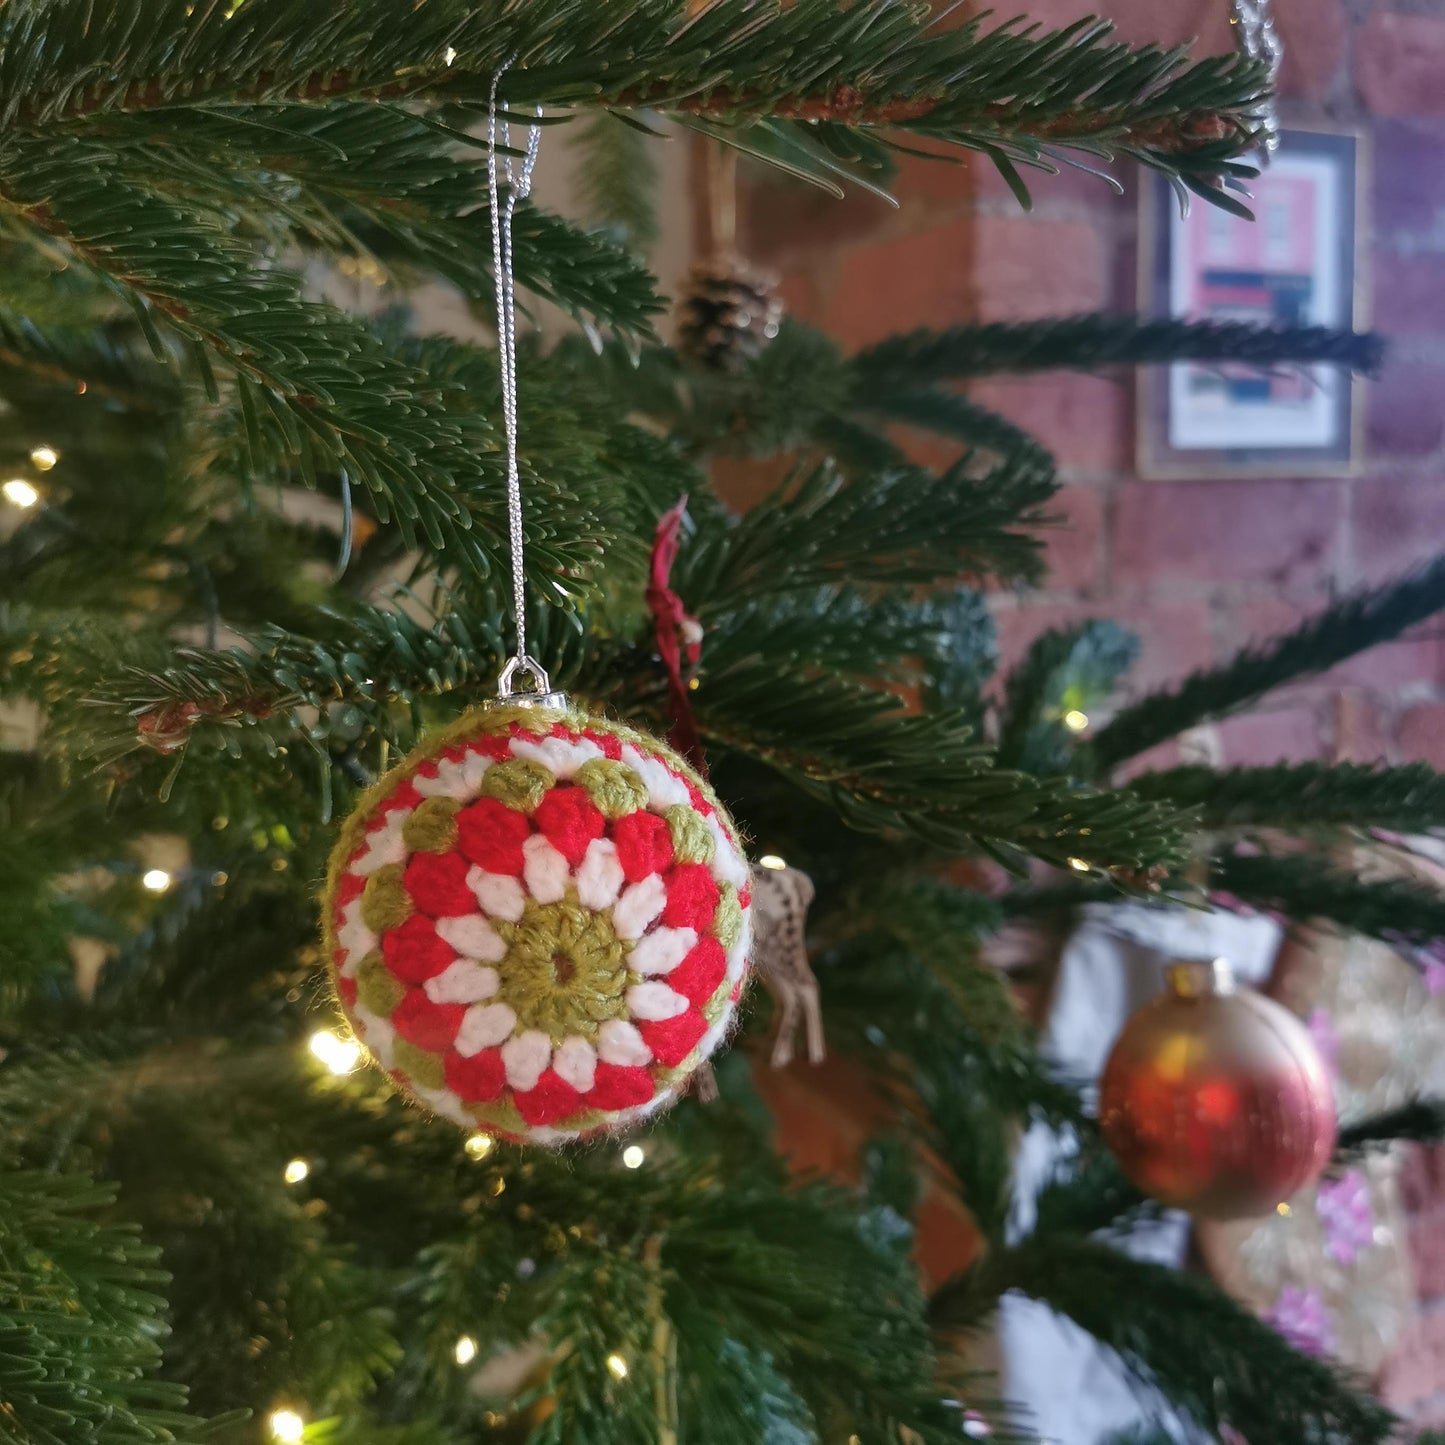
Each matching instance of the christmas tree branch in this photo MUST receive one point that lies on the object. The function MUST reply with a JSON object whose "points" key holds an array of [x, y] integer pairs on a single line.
{"points": [[1099, 339], [1178, 1334], [1302, 796], [1010, 92], [1352, 625], [1304, 886], [1419, 1121]]}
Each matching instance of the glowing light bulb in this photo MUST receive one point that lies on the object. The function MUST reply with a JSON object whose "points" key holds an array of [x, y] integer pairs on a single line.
{"points": [[155, 880], [45, 457], [633, 1155], [340, 1055], [287, 1426], [294, 1173], [478, 1146], [20, 493], [451, 54], [771, 860], [618, 1366], [1075, 720], [465, 1350], [1078, 865], [1283, 1209]]}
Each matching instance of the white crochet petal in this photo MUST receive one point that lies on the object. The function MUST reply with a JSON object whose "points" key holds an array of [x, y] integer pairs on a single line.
{"points": [[663, 788], [654, 1001], [384, 846], [575, 1060], [618, 1042], [354, 938], [483, 1026], [451, 781], [463, 982], [375, 1032], [639, 906], [600, 878], [473, 937], [499, 895], [562, 756], [727, 862], [738, 953], [526, 1058], [474, 767], [662, 950], [545, 870]]}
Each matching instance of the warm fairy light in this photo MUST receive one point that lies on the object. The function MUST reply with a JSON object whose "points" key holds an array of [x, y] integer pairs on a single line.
{"points": [[20, 493], [287, 1426], [155, 880], [340, 1055], [478, 1146], [1078, 865], [294, 1173], [451, 54], [771, 860], [45, 457], [618, 1367], [465, 1350], [1283, 1209], [633, 1155], [1075, 720]]}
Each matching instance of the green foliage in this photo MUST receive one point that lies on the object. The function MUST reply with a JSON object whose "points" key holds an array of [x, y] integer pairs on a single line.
{"points": [[1303, 796], [80, 1320], [1304, 886], [1420, 1121], [1178, 1334]]}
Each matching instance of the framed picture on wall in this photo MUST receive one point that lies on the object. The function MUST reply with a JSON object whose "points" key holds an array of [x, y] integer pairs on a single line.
{"points": [[1294, 264]]}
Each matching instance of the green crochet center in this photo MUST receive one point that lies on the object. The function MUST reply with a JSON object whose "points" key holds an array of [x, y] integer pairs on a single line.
{"points": [[565, 971]]}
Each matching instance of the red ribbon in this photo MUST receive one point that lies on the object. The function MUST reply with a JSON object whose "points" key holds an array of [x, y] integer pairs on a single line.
{"points": [[678, 635]]}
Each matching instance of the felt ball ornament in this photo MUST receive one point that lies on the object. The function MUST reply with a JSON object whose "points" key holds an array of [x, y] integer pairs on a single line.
{"points": [[1215, 1099], [538, 923]]}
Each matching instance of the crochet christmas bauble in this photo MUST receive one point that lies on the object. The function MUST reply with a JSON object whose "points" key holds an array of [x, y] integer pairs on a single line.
{"points": [[538, 923]]}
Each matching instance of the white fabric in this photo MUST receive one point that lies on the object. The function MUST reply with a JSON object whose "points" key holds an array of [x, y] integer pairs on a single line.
{"points": [[639, 906], [662, 950], [500, 895], [619, 1042], [463, 982], [544, 869], [576, 1061], [484, 1026], [526, 1058], [600, 878], [654, 1001], [472, 937]]}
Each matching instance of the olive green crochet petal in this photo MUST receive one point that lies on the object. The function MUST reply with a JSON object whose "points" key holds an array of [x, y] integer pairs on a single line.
{"points": [[432, 826], [614, 787], [519, 783], [692, 841], [385, 903], [427, 1071], [728, 922], [378, 989]]}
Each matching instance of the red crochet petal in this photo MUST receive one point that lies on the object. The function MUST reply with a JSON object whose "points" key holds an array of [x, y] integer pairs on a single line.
{"points": [[413, 952], [617, 1087], [697, 977], [346, 991], [745, 897], [692, 897], [405, 796], [349, 886], [644, 845], [437, 883], [611, 746], [570, 820], [672, 1040], [480, 1078], [430, 1026], [491, 835], [551, 1099]]}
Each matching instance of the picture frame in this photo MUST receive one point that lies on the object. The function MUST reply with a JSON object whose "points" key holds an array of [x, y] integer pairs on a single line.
{"points": [[1297, 262]]}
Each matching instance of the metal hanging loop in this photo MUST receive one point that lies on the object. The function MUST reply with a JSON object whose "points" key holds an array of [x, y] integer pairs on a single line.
{"points": [[1256, 36], [519, 185]]}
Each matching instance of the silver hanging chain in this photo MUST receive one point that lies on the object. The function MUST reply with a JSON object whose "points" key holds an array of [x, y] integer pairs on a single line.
{"points": [[1256, 37], [519, 185]]}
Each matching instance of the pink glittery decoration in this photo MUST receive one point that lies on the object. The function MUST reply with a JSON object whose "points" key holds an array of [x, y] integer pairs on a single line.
{"points": [[1345, 1214], [1301, 1317]]}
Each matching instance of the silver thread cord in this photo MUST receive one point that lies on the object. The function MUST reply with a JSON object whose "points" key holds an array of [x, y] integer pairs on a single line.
{"points": [[519, 184]]}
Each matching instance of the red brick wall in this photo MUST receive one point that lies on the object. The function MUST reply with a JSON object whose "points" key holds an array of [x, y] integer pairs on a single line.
{"points": [[1198, 568]]}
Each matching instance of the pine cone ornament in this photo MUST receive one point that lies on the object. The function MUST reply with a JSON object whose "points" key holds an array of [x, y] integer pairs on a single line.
{"points": [[727, 315], [539, 923]]}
